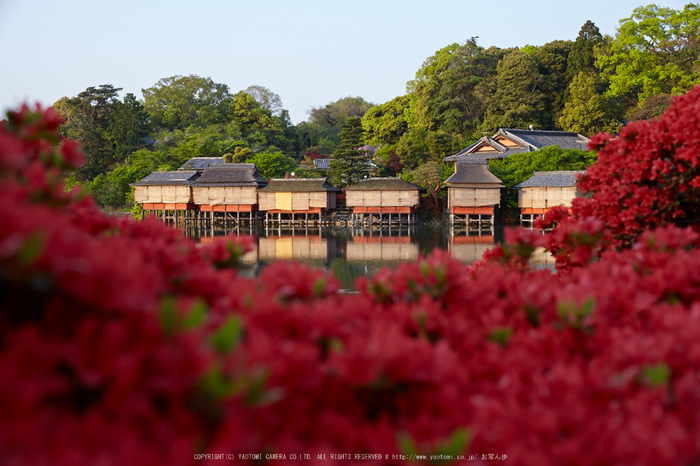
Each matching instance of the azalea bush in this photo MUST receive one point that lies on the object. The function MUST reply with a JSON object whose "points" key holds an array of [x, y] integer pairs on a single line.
{"points": [[123, 342], [647, 176]]}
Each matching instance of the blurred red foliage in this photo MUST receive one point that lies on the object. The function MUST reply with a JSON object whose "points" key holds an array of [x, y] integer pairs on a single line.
{"points": [[122, 342]]}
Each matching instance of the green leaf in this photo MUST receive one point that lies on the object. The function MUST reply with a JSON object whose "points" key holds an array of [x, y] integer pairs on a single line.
{"points": [[197, 315], [31, 250], [407, 445], [168, 315], [657, 374], [228, 335], [456, 444], [500, 335]]}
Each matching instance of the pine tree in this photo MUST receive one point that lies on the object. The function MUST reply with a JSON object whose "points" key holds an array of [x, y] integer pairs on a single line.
{"points": [[349, 159]]}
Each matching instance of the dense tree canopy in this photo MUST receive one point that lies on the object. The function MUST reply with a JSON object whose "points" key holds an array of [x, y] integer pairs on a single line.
{"points": [[460, 93], [655, 51], [181, 101]]}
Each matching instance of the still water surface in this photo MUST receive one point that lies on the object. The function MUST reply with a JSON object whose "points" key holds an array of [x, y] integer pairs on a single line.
{"points": [[350, 253]]}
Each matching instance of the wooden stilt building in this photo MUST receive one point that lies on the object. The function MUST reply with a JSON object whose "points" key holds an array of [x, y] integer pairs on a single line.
{"points": [[383, 200], [544, 190], [168, 195], [473, 193], [301, 201], [228, 192]]}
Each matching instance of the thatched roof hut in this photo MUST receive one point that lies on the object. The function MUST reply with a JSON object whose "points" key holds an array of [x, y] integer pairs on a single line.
{"points": [[229, 187], [473, 189], [298, 195], [169, 190], [544, 190], [383, 195]]}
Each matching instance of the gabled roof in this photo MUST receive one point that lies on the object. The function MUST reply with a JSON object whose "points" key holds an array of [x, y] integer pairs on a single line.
{"points": [[384, 184], [557, 179], [537, 139], [295, 185], [526, 141], [200, 163], [231, 174], [169, 178], [473, 172]]}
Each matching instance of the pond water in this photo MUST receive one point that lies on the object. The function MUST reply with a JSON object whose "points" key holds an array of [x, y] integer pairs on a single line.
{"points": [[349, 253]]}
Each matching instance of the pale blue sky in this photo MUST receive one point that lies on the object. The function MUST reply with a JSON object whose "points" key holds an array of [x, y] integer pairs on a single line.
{"points": [[310, 52]]}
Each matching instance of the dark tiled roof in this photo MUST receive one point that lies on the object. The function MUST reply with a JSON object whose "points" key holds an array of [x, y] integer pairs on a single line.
{"points": [[200, 163], [530, 140], [473, 172], [551, 179], [384, 184], [231, 174], [296, 185], [170, 178], [539, 139]]}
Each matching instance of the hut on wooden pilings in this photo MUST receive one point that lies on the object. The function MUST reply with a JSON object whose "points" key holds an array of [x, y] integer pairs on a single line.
{"points": [[292, 200], [472, 192], [167, 192], [383, 200], [229, 191], [544, 190]]}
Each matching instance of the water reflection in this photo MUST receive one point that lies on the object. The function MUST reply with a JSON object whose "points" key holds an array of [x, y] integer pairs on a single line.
{"points": [[351, 253]]}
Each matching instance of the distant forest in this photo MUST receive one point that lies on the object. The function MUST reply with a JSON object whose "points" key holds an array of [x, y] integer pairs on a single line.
{"points": [[461, 93]]}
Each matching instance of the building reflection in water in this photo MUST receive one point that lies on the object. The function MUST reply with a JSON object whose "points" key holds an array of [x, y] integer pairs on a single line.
{"points": [[351, 252]]}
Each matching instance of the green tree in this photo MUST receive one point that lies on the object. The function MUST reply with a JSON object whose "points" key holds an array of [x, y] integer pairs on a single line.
{"points": [[87, 120], [519, 167], [589, 110], [518, 101], [322, 131], [266, 98], [419, 146], [431, 175], [655, 51], [348, 161], [552, 62], [182, 101], [386, 123], [448, 91], [583, 51], [257, 124], [272, 164], [128, 126]]}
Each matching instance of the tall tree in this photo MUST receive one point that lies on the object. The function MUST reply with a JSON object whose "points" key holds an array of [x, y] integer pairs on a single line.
{"points": [[447, 93], [655, 51], [583, 56], [322, 131], [266, 98], [88, 118], [128, 127], [589, 110], [386, 123], [518, 101], [181, 101], [349, 160], [552, 62]]}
